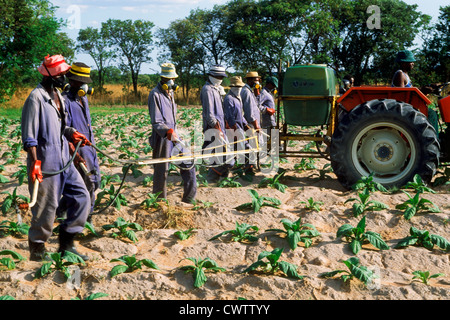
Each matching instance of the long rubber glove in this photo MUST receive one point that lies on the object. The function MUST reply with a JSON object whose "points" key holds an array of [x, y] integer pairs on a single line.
{"points": [[36, 171], [77, 137]]}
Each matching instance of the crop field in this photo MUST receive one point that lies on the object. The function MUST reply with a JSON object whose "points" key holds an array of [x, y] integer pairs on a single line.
{"points": [[293, 234]]}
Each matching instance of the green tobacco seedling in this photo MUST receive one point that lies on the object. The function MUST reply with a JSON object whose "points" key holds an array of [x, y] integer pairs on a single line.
{"points": [[13, 228], [367, 183], [268, 263], [424, 239], [274, 182], [184, 235], [358, 236], [418, 185], [416, 204], [229, 182], [241, 233], [8, 262], [258, 202], [153, 201], [425, 276], [312, 205], [122, 226], [297, 232], [12, 200], [131, 264], [363, 204], [58, 262], [199, 268], [355, 270]]}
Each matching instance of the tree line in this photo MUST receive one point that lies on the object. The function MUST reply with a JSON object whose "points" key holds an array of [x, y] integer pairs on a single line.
{"points": [[242, 35]]}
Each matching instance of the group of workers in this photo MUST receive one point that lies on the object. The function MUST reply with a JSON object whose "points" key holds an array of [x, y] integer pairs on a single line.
{"points": [[56, 127], [57, 136]]}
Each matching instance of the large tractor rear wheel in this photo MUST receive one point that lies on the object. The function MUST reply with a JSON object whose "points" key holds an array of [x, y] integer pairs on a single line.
{"points": [[386, 138]]}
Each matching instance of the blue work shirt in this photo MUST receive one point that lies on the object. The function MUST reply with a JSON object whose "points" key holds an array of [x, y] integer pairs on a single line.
{"points": [[232, 107], [266, 100], [212, 109], [250, 105], [44, 127], [162, 109], [79, 117]]}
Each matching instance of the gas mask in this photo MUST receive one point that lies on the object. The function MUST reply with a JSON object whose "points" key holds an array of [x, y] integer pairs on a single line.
{"points": [[82, 91], [170, 85], [57, 82], [256, 87]]}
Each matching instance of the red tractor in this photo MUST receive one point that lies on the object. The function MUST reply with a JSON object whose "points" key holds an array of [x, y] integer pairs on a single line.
{"points": [[383, 131]]}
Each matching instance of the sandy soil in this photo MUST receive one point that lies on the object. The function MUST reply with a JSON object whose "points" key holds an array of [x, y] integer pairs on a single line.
{"points": [[157, 241]]}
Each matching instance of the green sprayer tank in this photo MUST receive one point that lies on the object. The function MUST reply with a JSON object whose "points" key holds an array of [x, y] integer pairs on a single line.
{"points": [[303, 86]]}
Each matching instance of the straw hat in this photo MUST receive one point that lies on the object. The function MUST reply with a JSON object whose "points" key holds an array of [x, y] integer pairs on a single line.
{"points": [[80, 72], [168, 71], [252, 74], [217, 71], [54, 64], [405, 56], [236, 81]]}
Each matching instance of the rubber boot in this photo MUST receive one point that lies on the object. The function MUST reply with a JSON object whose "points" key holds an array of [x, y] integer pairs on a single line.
{"points": [[37, 250], [66, 244]]}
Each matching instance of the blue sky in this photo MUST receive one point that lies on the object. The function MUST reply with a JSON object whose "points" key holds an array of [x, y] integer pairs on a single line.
{"points": [[91, 13]]}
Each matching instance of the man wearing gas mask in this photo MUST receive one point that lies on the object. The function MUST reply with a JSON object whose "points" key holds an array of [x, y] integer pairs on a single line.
{"points": [[45, 137], [164, 137], [214, 123], [79, 117], [252, 113]]}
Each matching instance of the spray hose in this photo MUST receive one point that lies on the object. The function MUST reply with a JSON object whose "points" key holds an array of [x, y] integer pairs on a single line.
{"points": [[141, 161]]}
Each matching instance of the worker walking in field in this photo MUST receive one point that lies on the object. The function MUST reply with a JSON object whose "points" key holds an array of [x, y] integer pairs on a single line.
{"points": [[45, 137], [232, 107], [163, 110], [252, 113], [266, 102], [214, 123], [79, 117]]}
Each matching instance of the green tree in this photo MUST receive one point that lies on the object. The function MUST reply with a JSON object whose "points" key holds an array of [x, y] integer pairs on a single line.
{"points": [[134, 41], [261, 33], [369, 53], [28, 32], [434, 57], [92, 41], [184, 50]]}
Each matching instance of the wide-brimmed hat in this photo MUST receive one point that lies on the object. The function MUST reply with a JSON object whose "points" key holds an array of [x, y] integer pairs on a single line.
{"points": [[79, 72], [168, 71], [252, 74], [236, 81], [54, 64], [405, 56], [273, 81], [217, 71]]}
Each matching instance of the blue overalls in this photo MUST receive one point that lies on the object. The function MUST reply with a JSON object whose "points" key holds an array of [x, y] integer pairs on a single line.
{"points": [[232, 107], [79, 118], [44, 127], [266, 100], [213, 116], [163, 110]]}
